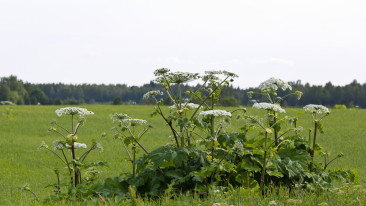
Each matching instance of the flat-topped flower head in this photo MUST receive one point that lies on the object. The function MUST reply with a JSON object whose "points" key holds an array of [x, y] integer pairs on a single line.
{"points": [[274, 84], [149, 94], [182, 77], [73, 111], [230, 74], [214, 113], [212, 76], [76, 145], [268, 106], [134, 122], [161, 71], [314, 108], [79, 145], [189, 106], [119, 116]]}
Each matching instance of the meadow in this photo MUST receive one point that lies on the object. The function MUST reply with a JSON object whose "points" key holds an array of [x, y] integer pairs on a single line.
{"points": [[21, 134]]}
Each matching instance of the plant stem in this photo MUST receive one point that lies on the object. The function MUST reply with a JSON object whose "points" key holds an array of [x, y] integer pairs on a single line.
{"points": [[212, 130], [76, 172], [68, 166], [169, 123], [133, 161], [275, 131], [264, 165], [313, 150]]}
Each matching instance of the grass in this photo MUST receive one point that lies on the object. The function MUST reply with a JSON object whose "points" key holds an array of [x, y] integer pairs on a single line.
{"points": [[21, 163]]}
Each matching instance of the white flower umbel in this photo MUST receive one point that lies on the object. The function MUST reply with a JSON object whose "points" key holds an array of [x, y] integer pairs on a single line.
{"points": [[178, 77], [189, 106], [119, 116], [314, 108], [214, 113], [134, 122], [73, 111], [274, 84], [152, 93], [77, 145], [268, 106], [161, 71]]}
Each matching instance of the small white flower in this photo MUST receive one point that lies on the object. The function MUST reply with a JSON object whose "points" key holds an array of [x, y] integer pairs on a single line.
{"points": [[274, 84], [134, 122], [214, 113], [73, 111], [268, 106], [152, 93], [314, 108], [189, 106], [79, 145]]}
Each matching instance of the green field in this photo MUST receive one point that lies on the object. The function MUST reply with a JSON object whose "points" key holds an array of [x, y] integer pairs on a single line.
{"points": [[20, 136]]}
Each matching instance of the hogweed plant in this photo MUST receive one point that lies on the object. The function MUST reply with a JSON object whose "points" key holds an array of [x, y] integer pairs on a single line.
{"points": [[318, 112], [130, 132], [70, 151], [269, 92]]}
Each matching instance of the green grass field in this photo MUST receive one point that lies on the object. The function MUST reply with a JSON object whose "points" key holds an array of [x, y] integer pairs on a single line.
{"points": [[20, 136]]}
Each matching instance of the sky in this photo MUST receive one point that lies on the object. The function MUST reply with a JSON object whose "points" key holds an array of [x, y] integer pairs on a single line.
{"points": [[123, 42]]}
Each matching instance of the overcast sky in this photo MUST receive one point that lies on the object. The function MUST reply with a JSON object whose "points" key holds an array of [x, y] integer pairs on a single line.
{"points": [[88, 41]]}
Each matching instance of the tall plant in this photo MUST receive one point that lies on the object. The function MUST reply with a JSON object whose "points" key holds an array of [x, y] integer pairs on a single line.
{"points": [[66, 149]]}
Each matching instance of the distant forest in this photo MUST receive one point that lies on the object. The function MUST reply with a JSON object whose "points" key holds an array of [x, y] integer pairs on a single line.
{"points": [[15, 90]]}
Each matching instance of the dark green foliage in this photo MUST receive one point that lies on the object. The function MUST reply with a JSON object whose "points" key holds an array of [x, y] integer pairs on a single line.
{"points": [[15, 90]]}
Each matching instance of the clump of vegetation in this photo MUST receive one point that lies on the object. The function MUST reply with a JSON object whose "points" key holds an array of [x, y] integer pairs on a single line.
{"points": [[267, 152], [340, 106], [80, 174]]}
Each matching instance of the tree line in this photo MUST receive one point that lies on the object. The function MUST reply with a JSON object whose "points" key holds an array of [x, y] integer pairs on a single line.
{"points": [[24, 93]]}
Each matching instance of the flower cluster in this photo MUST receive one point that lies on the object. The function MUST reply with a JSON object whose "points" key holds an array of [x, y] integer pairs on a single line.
{"points": [[134, 122], [189, 106], [73, 111], [314, 108], [268, 106], [175, 77], [214, 113], [119, 116], [182, 77], [274, 84], [161, 71], [212, 75], [152, 93]]}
